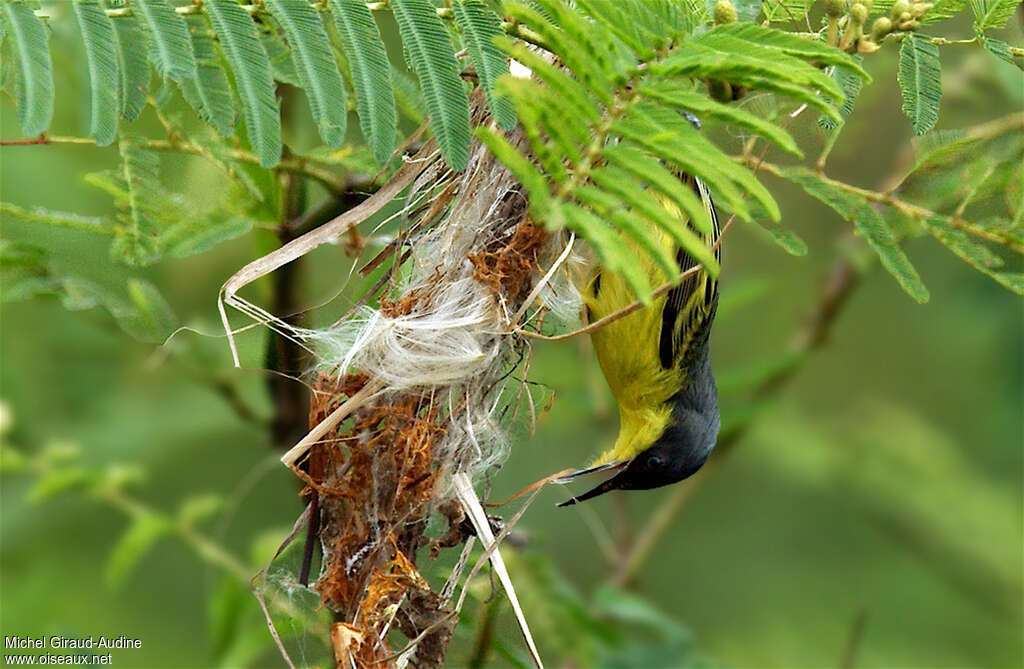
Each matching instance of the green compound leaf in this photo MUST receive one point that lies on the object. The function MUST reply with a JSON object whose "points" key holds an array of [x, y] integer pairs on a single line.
{"points": [[145, 530], [787, 240], [430, 54], [790, 44], [315, 66], [33, 69], [170, 46], [104, 75], [239, 40], [920, 78], [371, 74], [999, 49], [146, 316], [975, 254], [786, 11], [479, 27], [209, 93], [678, 95], [868, 223], [993, 14], [133, 66], [137, 243]]}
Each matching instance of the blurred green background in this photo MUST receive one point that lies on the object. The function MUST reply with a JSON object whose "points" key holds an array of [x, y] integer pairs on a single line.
{"points": [[872, 515]]}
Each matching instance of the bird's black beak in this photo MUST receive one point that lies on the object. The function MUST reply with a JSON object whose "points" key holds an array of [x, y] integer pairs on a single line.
{"points": [[614, 483], [572, 476]]}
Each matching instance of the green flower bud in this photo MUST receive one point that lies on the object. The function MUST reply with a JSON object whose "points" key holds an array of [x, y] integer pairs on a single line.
{"points": [[725, 13], [867, 46], [858, 13], [836, 8], [898, 8], [918, 9], [881, 27]]}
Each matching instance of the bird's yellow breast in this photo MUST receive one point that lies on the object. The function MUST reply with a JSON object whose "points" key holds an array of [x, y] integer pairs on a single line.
{"points": [[627, 350]]}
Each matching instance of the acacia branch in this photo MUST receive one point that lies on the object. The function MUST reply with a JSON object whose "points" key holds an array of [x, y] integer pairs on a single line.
{"points": [[297, 164]]}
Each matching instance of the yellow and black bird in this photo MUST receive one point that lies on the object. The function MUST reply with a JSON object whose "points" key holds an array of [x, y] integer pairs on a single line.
{"points": [[656, 362]]}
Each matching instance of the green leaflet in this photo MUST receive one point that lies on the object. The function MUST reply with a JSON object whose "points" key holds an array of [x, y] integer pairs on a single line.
{"points": [[570, 91], [315, 65], [142, 534], [943, 9], [610, 208], [623, 24], [430, 54], [776, 73], [209, 93], [975, 254], [408, 97], [282, 65], [787, 240], [133, 66], [999, 49], [650, 171], [239, 40], [33, 72], [57, 218], [790, 44], [559, 117], [479, 27], [608, 244], [868, 223], [104, 75], [617, 183], [170, 46], [597, 81], [146, 316], [137, 244], [371, 74], [851, 85], [672, 138], [590, 43], [920, 79], [785, 11], [680, 96], [993, 14], [786, 67]]}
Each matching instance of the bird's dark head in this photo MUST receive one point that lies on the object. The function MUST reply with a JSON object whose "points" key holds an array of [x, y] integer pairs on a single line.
{"points": [[682, 449]]}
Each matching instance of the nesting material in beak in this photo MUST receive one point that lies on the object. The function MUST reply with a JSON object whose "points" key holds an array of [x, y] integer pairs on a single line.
{"points": [[611, 484]]}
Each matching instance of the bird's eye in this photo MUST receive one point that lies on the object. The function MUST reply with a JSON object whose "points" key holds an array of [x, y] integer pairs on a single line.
{"points": [[655, 462]]}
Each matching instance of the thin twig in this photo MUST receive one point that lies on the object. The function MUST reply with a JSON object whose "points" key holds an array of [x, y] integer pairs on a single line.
{"points": [[298, 164]]}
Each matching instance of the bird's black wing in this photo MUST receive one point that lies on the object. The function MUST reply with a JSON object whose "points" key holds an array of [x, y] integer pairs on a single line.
{"points": [[679, 324]]}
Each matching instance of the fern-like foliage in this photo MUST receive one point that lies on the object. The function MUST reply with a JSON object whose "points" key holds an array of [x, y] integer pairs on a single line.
{"points": [[33, 75], [101, 56], [133, 67], [239, 40], [170, 46], [289, 41], [615, 123], [429, 51], [209, 93], [479, 27], [920, 81], [315, 66], [371, 74]]}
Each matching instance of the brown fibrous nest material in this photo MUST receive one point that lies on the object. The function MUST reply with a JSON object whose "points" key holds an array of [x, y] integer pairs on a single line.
{"points": [[441, 348]]}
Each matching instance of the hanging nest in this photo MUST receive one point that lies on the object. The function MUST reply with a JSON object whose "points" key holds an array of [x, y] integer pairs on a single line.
{"points": [[414, 397]]}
